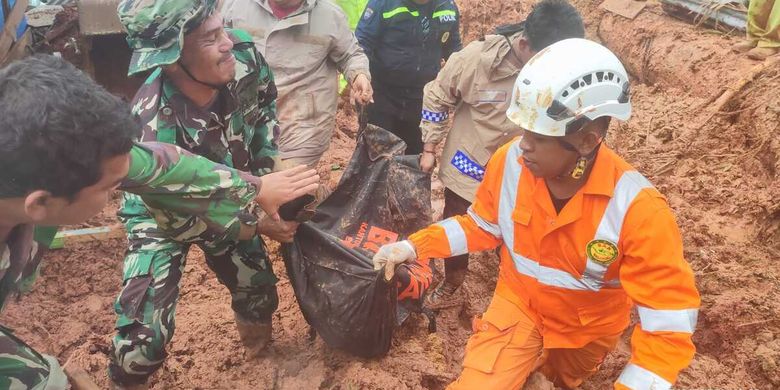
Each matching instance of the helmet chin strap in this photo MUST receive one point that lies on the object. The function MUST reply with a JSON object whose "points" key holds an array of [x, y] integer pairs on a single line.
{"points": [[187, 71]]}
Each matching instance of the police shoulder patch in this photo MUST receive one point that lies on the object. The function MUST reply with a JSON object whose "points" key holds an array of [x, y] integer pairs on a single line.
{"points": [[602, 251]]}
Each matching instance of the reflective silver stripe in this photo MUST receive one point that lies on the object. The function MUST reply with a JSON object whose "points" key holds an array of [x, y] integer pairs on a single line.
{"points": [[638, 378], [483, 224], [506, 205], [456, 236], [630, 184], [560, 278], [614, 283], [683, 321], [547, 275]]}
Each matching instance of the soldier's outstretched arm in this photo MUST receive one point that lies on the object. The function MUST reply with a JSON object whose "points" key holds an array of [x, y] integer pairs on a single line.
{"points": [[172, 179]]}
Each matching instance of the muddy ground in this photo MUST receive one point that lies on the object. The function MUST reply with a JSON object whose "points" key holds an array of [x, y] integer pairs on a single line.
{"points": [[719, 171]]}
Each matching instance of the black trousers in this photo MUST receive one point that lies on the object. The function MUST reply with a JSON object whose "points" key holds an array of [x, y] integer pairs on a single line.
{"points": [[407, 130], [454, 205], [398, 111]]}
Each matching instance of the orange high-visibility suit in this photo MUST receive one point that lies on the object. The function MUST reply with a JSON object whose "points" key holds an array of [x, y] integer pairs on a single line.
{"points": [[567, 281]]}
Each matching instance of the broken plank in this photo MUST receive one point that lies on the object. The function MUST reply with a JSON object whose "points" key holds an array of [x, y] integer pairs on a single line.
{"points": [[70, 237], [625, 8]]}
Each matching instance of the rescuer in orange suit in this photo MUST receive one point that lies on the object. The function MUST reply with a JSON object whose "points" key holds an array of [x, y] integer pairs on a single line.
{"points": [[583, 237]]}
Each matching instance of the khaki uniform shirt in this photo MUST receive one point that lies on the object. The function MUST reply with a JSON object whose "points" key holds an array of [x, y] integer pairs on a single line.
{"points": [[476, 85], [306, 50]]}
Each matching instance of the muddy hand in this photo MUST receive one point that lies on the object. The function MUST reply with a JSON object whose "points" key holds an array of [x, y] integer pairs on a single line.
{"points": [[281, 231], [279, 188], [361, 91], [427, 162], [391, 255]]}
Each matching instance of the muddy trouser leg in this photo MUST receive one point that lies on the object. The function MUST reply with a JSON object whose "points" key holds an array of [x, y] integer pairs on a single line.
{"points": [[507, 346], [409, 131], [292, 162], [146, 307], [454, 205], [23, 368], [568, 368], [764, 22], [312, 162], [379, 117], [503, 350], [244, 268]]}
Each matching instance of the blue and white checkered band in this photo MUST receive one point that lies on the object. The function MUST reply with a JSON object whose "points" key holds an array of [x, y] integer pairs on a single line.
{"points": [[434, 117], [467, 166]]}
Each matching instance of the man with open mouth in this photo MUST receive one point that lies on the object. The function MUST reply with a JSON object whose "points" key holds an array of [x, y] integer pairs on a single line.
{"points": [[212, 93]]}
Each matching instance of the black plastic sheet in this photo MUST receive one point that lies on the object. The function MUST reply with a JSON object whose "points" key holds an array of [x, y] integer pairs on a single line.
{"points": [[382, 197]]}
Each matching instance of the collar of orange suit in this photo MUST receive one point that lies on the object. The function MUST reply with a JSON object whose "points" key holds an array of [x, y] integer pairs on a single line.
{"points": [[602, 179]]}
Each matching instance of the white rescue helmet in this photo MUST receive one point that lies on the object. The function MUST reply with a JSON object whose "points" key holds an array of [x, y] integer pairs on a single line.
{"points": [[565, 85]]}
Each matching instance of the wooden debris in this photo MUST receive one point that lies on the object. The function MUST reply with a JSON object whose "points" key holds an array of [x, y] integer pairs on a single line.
{"points": [[726, 97], [723, 15], [70, 237], [43, 15], [99, 17], [626, 8]]}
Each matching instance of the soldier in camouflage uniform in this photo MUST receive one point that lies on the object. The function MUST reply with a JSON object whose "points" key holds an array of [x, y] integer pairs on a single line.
{"points": [[212, 93], [65, 145]]}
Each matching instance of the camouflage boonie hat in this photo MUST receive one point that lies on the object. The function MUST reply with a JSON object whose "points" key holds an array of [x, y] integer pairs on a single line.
{"points": [[156, 28]]}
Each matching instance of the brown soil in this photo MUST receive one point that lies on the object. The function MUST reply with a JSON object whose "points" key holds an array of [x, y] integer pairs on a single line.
{"points": [[719, 171]]}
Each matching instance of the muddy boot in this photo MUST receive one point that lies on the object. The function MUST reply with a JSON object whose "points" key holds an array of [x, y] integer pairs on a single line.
{"points": [[255, 335], [761, 53], [744, 46], [448, 293]]}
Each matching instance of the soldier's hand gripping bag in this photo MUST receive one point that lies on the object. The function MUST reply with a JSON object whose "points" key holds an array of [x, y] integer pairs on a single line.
{"points": [[382, 197]]}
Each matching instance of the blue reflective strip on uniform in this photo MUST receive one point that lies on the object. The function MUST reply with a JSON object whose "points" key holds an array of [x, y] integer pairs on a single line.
{"points": [[399, 10], [434, 117], [467, 166]]}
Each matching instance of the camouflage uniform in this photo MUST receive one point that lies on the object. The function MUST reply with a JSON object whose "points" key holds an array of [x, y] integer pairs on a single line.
{"points": [[21, 367], [239, 135], [194, 192]]}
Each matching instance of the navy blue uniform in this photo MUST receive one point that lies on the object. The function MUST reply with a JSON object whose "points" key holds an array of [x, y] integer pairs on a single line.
{"points": [[405, 43]]}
